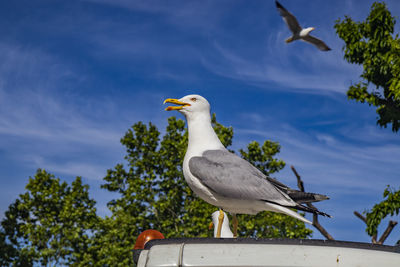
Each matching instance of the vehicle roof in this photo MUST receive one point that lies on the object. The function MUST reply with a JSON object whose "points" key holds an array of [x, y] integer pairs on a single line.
{"points": [[206, 252], [275, 241]]}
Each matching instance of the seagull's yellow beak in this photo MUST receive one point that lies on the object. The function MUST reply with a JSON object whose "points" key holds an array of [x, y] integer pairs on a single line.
{"points": [[177, 102]]}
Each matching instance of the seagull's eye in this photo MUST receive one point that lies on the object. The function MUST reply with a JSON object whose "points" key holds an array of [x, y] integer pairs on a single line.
{"points": [[193, 99]]}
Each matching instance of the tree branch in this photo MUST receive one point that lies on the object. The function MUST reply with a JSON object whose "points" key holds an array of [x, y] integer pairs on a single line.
{"points": [[360, 216], [387, 232], [315, 223], [300, 183], [364, 219], [321, 229]]}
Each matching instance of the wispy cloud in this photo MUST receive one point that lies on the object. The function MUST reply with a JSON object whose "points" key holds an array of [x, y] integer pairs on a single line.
{"points": [[91, 168], [314, 72], [266, 63], [347, 162], [187, 12], [41, 122]]}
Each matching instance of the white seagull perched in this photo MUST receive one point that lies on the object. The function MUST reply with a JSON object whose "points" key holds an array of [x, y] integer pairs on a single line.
{"points": [[225, 231], [298, 33], [224, 179]]}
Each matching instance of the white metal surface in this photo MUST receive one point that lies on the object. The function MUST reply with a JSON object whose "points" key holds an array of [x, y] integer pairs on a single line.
{"points": [[284, 255], [165, 255], [142, 258]]}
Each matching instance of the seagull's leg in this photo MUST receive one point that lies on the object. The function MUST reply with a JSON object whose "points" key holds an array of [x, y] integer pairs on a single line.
{"points": [[220, 220], [235, 225]]}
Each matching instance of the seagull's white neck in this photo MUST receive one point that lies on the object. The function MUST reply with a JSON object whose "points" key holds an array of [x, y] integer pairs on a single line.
{"points": [[306, 31], [201, 134]]}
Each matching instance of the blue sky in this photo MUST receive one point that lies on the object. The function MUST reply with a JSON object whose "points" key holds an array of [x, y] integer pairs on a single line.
{"points": [[75, 75]]}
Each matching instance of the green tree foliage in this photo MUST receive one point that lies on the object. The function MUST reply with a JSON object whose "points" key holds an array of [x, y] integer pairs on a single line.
{"points": [[390, 206], [154, 194], [54, 223], [263, 157], [371, 44], [10, 248], [50, 224]]}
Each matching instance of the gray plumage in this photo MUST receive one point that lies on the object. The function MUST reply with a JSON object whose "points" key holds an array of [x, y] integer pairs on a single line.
{"points": [[233, 177], [289, 18]]}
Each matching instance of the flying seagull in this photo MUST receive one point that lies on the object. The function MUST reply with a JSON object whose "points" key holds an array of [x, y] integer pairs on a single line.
{"points": [[298, 33], [224, 179], [225, 230]]}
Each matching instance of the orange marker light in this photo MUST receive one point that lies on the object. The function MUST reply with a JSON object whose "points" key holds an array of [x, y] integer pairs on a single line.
{"points": [[146, 236]]}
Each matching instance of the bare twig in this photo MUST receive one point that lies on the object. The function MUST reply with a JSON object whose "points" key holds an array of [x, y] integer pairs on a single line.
{"points": [[387, 232], [316, 223], [300, 183], [362, 218], [321, 229]]}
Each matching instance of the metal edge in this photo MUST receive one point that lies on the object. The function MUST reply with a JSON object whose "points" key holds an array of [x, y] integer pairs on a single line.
{"points": [[136, 254], [275, 241]]}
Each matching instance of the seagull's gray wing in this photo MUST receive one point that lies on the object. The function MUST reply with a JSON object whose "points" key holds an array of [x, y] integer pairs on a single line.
{"points": [[231, 176], [317, 42], [288, 17]]}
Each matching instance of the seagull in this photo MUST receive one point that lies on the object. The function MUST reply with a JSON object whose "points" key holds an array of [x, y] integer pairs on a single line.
{"points": [[224, 179], [225, 230], [297, 31]]}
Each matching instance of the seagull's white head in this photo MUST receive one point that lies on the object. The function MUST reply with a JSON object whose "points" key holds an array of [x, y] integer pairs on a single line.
{"points": [[196, 110], [190, 105]]}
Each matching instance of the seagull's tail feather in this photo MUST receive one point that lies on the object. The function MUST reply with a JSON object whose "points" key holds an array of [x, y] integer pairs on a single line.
{"points": [[304, 197], [289, 40], [287, 211], [299, 197], [311, 210]]}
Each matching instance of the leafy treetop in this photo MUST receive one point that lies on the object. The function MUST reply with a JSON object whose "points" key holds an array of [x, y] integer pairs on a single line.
{"points": [[50, 224], [390, 206], [54, 223], [371, 44]]}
